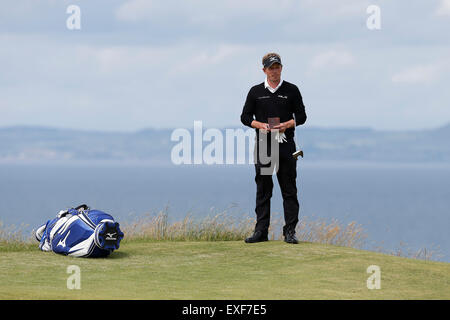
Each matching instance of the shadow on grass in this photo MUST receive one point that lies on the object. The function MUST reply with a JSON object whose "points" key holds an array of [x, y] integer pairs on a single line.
{"points": [[118, 255]]}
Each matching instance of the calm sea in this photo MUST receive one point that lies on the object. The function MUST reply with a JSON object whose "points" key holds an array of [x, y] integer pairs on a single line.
{"points": [[398, 205]]}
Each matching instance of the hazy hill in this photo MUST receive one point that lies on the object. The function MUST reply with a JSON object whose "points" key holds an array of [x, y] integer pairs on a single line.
{"points": [[151, 145]]}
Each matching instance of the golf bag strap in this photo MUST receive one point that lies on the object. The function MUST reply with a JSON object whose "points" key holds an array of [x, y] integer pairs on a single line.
{"points": [[82, 206]]}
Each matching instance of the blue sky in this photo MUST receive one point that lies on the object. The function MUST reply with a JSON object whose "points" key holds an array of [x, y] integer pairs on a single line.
{"points": [[140, 63]]}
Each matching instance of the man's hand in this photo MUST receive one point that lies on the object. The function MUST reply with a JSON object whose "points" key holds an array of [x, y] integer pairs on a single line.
{"points": [[285, 125], [260, 125]]}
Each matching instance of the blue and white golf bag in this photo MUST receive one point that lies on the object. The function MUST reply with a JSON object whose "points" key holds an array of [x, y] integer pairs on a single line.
{"points": [[80, 232]]}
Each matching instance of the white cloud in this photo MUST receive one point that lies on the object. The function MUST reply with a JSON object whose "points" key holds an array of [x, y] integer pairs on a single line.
{"points": [[138, 9], [204, 58], [444, 8], [332, 59], [417, 74], [333, 8], [108, 71], [218, 12], [201, 11]]}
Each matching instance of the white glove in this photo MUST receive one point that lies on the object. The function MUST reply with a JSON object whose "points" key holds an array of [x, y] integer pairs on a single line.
{"points": [[280, 137]]}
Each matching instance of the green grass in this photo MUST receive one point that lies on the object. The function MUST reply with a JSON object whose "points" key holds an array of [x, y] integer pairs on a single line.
{"points": [[144, 269]]}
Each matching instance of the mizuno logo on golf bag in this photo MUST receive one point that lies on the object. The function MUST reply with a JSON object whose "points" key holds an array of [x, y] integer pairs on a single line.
{"points": [[63, 242], [109, 236]]}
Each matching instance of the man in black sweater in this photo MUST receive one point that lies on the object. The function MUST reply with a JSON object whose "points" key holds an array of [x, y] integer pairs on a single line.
{"points": [[275, 98]]}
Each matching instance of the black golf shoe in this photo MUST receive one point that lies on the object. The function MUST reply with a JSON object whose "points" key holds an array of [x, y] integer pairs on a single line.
{"points": [[258, 236], [289, 237]]}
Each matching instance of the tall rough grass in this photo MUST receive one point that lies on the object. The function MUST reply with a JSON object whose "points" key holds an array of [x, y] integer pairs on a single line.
{"points": [[403, 250], [331, 232], [217, 228], [225, 227], [13, 238], [222, 227]]}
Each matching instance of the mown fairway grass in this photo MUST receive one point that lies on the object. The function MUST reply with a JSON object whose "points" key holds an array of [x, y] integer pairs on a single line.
{"points": [[221, 270]]}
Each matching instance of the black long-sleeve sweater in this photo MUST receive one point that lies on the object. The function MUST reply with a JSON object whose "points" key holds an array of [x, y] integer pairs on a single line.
{"points": [[262, 104]]}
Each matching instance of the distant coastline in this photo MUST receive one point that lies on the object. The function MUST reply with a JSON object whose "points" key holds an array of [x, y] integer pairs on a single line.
{"points": [[23, 144]]}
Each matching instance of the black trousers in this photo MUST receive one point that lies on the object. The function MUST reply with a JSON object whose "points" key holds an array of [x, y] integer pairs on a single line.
{"points": [[286, 175]]}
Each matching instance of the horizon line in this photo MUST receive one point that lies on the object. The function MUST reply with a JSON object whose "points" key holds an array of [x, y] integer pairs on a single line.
{"points": [[48, 127]]}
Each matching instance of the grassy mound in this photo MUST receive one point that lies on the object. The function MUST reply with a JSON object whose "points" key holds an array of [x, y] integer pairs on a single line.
{"points": [[148, 269]]}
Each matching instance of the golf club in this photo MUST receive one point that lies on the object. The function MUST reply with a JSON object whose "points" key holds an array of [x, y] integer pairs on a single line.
{"points": [[298, 151]]}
